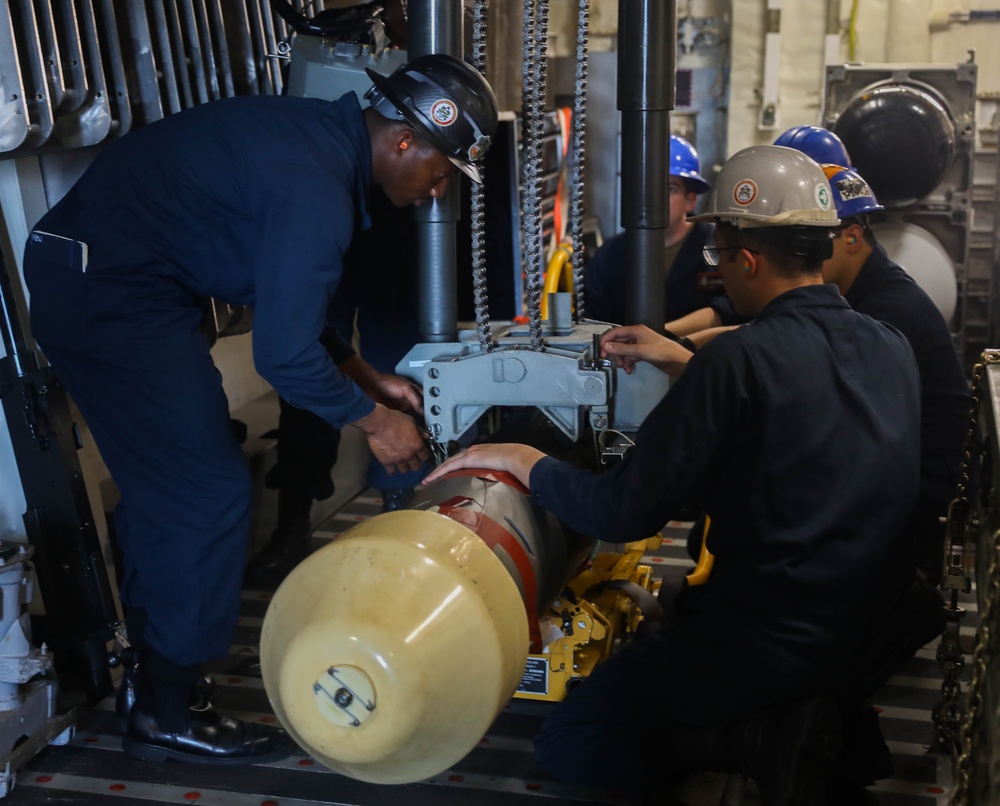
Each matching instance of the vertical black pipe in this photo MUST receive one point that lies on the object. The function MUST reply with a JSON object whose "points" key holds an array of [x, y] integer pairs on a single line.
{"points": [[435, 26], [647, 61]]}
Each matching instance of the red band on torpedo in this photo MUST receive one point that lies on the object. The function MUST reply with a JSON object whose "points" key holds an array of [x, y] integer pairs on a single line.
{"points": [[490, 475], [493, 534]]}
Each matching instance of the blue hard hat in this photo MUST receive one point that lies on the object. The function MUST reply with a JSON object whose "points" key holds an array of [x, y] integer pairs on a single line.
{"points": [[852, 195], [684, 163], [816, 142]]}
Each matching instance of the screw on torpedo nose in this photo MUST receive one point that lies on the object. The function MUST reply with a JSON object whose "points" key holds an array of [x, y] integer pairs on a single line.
{"points": [[343, 697]]}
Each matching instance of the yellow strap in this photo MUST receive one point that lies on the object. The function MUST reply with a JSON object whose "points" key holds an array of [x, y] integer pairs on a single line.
{"points": [[700, 574]]}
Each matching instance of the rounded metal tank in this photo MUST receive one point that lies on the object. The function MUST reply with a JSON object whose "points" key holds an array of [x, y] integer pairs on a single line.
{"points": [[901, 138]]}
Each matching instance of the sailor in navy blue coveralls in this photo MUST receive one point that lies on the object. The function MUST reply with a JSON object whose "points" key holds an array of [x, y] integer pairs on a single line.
{"points": [[884, 291], [254, 201], [797, 434]]}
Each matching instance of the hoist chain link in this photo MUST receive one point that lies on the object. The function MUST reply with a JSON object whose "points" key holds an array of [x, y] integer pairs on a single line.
{"points": [[480, 294], [982, 653], [948, 714], [960, 559], [534, 76], [577, 155]]}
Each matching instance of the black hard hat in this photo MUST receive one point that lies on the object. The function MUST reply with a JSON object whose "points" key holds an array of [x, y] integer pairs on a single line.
{"points": [[446, 101]]}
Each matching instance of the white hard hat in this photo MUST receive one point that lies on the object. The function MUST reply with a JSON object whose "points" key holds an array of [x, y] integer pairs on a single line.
{"points": [[771, 186]]}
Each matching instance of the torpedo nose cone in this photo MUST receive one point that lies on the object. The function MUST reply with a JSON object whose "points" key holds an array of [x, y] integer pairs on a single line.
{"points": [[388, 653]]}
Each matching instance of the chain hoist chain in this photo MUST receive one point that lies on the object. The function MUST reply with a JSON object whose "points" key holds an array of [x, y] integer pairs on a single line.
{"points": [[528, 247], [959, 563], [948, 714], [477, 216], [535, 41], [980, 665], [579, 139]]}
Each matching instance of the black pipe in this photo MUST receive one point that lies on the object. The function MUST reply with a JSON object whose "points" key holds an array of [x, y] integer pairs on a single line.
{"points": [[435, 26], [647, 61]]}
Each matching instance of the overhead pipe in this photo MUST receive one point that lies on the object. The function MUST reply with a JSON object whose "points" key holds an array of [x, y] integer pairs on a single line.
{"points": [[435, 26], [647, 67], [831, 40], [768, 119]]}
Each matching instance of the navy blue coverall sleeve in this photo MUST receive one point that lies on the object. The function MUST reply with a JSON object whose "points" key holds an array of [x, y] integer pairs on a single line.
{"points": [[291, 307]]}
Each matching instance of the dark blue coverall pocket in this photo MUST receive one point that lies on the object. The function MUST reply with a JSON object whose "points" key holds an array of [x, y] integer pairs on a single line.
{"points": [[68, 304]]}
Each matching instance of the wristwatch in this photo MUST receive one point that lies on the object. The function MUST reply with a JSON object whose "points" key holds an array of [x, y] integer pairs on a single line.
{"points": [[683, 341]]}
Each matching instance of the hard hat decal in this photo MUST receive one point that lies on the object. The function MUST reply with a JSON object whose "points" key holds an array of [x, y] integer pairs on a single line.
{"points": [[745, 192], [444, 112], [853, 188], [823, 197]]}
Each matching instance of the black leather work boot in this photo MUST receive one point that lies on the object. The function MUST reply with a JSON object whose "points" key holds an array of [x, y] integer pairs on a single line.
{"points": [[203, 692], [210, 737], [163, 725], [204, 689]]}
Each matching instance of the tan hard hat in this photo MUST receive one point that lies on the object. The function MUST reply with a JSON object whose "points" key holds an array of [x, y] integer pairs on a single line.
{"points": [[771, 186]]}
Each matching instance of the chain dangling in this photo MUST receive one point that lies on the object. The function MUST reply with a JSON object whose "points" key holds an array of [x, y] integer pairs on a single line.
{"points": [[948, 715], [578, 156], [481, 298], [533, 78], [957, 730], [972, 725]]}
